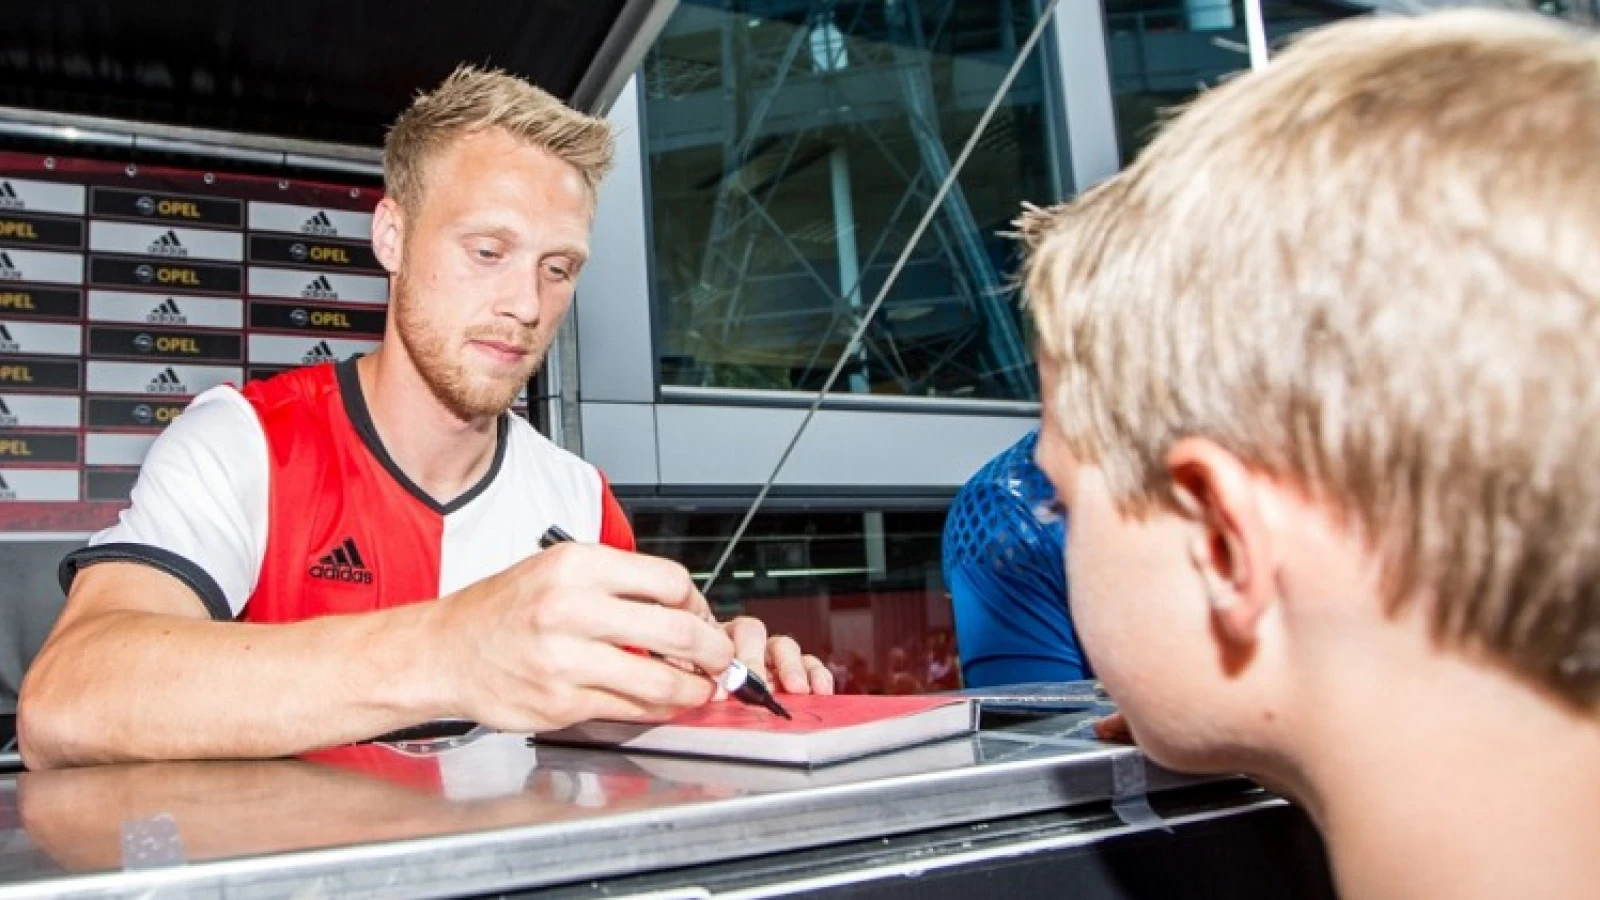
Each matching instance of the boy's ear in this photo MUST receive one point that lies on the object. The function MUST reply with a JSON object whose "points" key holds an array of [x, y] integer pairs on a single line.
{"points": [[1231, 544]]}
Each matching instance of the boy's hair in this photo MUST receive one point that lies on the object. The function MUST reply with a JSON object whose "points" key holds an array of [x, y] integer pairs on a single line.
{"points": [[473, 99], [1373, 270]]}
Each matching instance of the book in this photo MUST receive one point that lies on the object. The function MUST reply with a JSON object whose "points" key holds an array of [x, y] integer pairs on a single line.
{"points": [[760, 778], [825, 729]]}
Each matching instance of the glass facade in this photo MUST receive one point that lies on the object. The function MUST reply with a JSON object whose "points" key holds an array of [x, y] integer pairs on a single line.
{"points": [[792, 147], [1164, 52], [860, 589]]}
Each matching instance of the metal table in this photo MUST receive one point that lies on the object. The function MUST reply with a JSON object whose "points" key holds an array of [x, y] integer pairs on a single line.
{"points": [[497, 815]]}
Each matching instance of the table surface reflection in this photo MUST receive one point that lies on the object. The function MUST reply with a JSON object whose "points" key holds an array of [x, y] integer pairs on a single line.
{"points": [[499, 812]]}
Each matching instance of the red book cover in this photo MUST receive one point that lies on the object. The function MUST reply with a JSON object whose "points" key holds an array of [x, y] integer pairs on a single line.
{"points": [[812, 712], [824, 730]]}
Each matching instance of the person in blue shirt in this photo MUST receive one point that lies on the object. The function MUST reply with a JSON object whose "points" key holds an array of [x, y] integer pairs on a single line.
{"points": [[1004, 554]]}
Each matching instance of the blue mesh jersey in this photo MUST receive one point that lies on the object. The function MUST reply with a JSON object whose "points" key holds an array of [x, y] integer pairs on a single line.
{"points": [[1005, 569]]}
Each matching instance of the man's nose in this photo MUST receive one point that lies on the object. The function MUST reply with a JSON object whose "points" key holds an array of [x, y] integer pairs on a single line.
{"points": [[521, 298]]}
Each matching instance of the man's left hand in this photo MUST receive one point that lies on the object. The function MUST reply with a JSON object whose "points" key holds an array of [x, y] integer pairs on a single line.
{"points": [[797, 672]]}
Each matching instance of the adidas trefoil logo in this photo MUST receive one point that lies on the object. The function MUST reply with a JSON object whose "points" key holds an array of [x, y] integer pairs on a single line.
{"points": [[167, 382], [167, 313], [320, 288], [342, 563], [321, 353], [321, 225], [167, 245]]}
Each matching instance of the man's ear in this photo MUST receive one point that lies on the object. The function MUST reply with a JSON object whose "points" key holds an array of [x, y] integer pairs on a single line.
{"points": [[389, 234], [1231, 544]]}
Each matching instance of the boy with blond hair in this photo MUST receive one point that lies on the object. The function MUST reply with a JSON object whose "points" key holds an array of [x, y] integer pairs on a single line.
{"points": [[1321, 378]]}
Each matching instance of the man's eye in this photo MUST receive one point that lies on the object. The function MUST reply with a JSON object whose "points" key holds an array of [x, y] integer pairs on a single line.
{"points": [[486, 254]]}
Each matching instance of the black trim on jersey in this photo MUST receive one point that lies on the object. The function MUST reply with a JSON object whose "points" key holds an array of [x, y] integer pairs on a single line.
{"points": [[195, 578], [355, 406]]}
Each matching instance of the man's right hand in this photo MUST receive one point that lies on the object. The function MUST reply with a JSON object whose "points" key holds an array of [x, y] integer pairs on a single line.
{"points": [[540, 646]]}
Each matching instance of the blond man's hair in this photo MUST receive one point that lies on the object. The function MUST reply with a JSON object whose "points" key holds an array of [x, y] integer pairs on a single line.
{"points": [[472, 100], [1372, 270]]}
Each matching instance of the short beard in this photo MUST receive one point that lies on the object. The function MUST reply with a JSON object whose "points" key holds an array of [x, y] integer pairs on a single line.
{"points": [[444, 373]]}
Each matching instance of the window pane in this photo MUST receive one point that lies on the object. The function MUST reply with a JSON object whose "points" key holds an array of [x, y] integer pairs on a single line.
{"points": [[860, 590], [1163, 52], [792, 149]]}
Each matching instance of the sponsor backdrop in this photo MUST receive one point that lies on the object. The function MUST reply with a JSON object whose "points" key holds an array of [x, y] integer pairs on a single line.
{"points": [[125, 291]]}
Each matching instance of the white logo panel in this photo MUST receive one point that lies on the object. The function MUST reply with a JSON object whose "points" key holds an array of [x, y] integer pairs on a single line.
{"points": [[21, 195], [41, 338], [165, 309], [116, 449], [295, 284], [313, 220], [28, 411], [157, 379], [38, 485], [274, 349], [165, 241], [42, 266]]}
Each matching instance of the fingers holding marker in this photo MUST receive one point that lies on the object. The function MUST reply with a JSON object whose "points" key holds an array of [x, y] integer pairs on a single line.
{"points": [[749, 637], [680, 636], [624, 573], [818, 675], [673, 622], [785, 658]]}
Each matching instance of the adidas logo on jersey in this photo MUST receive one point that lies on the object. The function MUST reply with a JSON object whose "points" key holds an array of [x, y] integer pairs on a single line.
{"points": [[8, 272], [342, 563], [167, 245], [8, 419], [6, 493], [9, 198], [7, 342]]}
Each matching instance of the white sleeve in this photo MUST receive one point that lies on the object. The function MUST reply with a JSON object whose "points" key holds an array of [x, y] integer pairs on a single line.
{"points": [[199, 508]]}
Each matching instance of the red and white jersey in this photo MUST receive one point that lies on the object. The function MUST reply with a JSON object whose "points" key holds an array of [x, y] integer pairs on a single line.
{"points": [[279, 503]]}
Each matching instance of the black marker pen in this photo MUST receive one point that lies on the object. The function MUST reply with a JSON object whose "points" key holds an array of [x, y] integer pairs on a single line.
{"points": [[740, 683]]}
